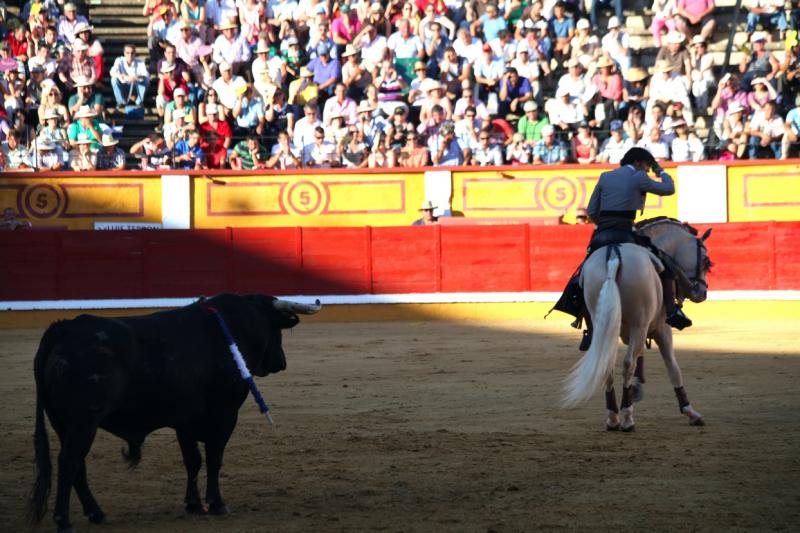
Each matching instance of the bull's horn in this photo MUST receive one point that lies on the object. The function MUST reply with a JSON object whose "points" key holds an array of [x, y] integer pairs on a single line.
{"points": [[295, 307]]}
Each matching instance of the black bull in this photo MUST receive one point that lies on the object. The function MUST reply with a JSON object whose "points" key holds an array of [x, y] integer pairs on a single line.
{"points": [[133, 375]]}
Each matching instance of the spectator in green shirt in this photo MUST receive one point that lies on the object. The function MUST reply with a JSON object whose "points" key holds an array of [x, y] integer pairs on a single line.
{"points": [[248, 155], [531, 125], [86, 124]]}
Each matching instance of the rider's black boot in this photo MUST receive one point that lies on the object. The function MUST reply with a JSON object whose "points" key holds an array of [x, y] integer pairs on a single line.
{"points": [[586, 340], [675, 316]]}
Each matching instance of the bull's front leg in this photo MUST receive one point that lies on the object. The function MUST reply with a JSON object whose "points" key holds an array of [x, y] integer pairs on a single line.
{"points": [[215, 449], [192, 461]]}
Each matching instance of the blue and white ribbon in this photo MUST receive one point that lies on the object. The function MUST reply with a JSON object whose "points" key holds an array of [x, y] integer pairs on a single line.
{"points": [[242, 365]]}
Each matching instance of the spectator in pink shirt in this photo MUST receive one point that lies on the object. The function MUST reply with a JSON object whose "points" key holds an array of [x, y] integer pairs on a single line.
{"points": [[340, 104], [696, 17], [346, 26]]}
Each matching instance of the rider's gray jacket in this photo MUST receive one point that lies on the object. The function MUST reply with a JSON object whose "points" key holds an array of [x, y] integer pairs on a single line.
{"points": [[624, 189]]}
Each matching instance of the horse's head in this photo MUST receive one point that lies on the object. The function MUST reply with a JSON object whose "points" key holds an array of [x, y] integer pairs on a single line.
{"points": [[692, 256]]}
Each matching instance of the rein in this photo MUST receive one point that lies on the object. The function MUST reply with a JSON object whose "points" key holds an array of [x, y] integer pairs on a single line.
{"points": [[686, 283], [238, 359]]}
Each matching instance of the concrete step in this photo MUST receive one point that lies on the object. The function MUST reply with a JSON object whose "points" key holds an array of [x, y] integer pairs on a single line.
{"points": [[125, 3], [113, 31], [105, 11], [120, 20]]}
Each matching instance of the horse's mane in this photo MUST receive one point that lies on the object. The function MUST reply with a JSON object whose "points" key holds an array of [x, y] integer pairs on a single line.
{"points": [[657, 221]]}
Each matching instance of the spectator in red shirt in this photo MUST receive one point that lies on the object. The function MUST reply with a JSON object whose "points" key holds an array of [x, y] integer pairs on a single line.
{"points": [[168, 81], [217, 138], [19, 43]]}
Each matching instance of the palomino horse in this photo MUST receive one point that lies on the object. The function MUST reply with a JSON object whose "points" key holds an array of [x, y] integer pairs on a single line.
{"points": [[623, 293]]}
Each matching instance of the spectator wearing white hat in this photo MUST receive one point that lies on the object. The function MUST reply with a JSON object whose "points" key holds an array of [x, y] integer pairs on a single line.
{"points": [[702, 73], [129, 78], [734, 138], [575, 81], [565, 111], [675, 53], [531, 123], [81, 157], [584, 43], [696, 17], [168, 83], [187, 47], [48, 156], [231, 47], [355, 76], [615, 147], [527, 68], [686, 147], [110, 156], [760, 63], [180, 102], [86, 126], [549, 150], [76, 65], [177, 129], [434, 95], [616, 45], [85, 96], [217, 138], [228, 85], [68, 22], [667, 86], [52, 129]]}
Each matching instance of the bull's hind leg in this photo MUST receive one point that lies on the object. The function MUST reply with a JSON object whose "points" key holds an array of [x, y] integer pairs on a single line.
{"points": [[75, 445], [664, 340], [193, 461], [90, 506]]}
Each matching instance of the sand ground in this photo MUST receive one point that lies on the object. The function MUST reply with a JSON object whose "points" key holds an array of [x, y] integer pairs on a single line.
{"points": [[442, 426]]}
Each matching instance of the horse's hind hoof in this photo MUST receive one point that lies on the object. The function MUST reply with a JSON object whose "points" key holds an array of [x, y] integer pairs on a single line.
{"points": [[699, 421], [609, 427], [629, 429], [196, 508], [220, 509]]}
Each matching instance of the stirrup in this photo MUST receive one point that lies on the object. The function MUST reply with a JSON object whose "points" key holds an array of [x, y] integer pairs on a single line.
{"points": [[586, 340], [678, 320], [577, 323]]}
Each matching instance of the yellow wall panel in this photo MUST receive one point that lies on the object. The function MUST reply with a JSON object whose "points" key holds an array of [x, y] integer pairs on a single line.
{"points": [[759, 193]]}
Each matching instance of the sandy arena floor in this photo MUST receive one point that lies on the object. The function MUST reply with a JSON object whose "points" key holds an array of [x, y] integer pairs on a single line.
{"points": [[437, 426]]}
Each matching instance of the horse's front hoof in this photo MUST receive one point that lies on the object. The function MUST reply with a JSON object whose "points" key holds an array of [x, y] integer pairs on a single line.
{"points": [[629, 429], [97, 518], [218, 509], [196, 508], [699, 421]]}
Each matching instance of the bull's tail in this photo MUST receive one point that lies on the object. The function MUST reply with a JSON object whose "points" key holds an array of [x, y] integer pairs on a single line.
{"points": [[44, 468], [594, 367]]}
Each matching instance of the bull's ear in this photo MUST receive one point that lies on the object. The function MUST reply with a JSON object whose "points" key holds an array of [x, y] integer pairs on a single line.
{"points": [[706, 235]]}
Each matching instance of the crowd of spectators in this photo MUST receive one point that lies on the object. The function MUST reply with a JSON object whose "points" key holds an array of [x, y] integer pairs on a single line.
{"points": [[251, 84]]}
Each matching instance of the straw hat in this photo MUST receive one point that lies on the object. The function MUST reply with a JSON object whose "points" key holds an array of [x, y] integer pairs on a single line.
{"points": [[349, 50], [364, 107], [427, 204], [229, 24], [178, 113], [85, 112], [734, 107], [772, 93], [82, 27], [583, 24], [225, 66], [78, 45], [83, 139], [108, 140], [663, 66], [51, 113], [44, 143], [306, 73], [83, 81], [262, 48], [604, 62], [429, 84], [613, 22], [530, 105], [675, 37], [167, 67], [636, 74], [758, 36], [211, 109]]}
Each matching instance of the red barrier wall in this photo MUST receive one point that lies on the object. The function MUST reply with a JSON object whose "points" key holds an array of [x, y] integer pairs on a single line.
{"points": [[38, 265]]}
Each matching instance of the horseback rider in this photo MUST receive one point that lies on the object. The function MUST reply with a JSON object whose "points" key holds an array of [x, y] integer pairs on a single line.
{"points": [[617, 196]]}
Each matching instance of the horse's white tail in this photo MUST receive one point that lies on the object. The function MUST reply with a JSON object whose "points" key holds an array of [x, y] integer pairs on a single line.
{"points": [[593, 368]]}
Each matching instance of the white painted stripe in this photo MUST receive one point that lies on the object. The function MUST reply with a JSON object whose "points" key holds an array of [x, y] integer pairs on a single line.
{"points": [[356, 299]]}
